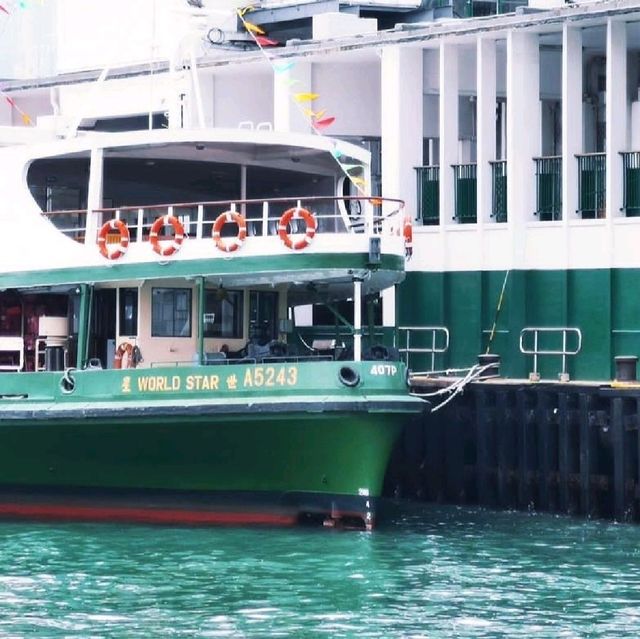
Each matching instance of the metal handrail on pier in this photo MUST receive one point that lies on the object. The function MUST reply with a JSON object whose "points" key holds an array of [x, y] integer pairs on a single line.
{"points": [[433, 349], [537, 352]]}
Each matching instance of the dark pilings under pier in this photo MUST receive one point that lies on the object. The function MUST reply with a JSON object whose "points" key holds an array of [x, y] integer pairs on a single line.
{"points": [[570, 448]]}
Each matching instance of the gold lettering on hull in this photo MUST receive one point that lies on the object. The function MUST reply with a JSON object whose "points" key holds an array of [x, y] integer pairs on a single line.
{"points": [[255, 377]]}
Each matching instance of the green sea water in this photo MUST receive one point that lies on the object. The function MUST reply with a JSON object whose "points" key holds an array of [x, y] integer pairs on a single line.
{"points": [[430, 572]]}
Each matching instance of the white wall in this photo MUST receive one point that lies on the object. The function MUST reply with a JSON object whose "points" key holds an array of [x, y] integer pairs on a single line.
{"points": [[238, 98], [351, 93], [128, 31]]}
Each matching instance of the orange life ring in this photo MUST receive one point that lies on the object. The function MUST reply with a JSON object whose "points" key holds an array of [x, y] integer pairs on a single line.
{"points": [[407, 232], [125, 347], [178, 238], [228, 245], [295, 214], [123, 245]]}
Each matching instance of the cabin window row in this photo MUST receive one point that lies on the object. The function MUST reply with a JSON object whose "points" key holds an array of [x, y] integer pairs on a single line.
{"points": [[171, 313]]}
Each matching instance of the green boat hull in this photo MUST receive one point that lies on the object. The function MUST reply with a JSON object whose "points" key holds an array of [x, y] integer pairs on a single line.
{"points": [[290, 451]]}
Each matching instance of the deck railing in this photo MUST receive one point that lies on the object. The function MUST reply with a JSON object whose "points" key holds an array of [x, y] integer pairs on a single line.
{"points": [[631, 183], [591, 185], [428, 194], [549, 187], [499, 190], [466, 207], [354, 214]]}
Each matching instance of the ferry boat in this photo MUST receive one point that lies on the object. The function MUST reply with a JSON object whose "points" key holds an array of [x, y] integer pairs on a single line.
{"points": [[512, 135], [153, 366]]}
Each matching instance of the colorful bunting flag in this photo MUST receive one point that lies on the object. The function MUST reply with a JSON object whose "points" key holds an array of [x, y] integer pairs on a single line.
{"points": [[244, 10], [26, 119], [315, 114], [336, 154], [253, 28], [351, 167], [3, 9], [324, 123], [266, 42], [10, 101], [357, 181], [306, 97], [281, 68]]}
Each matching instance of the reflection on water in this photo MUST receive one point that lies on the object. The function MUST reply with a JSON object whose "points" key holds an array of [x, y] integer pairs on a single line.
{"points": [[433, 572]]}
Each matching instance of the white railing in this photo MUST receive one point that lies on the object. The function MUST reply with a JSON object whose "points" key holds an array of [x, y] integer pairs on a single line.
{"points": [[536, 352], [438, 333], [370, 215]]}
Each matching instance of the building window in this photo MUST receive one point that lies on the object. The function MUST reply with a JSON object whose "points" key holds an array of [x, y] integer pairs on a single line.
{"points": [[223, 312], [171, 312]]}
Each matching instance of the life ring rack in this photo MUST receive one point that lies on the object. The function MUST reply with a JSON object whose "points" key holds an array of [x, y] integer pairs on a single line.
{"points": [[296, 213], [178, 238], [123, 245], [228, 245]]}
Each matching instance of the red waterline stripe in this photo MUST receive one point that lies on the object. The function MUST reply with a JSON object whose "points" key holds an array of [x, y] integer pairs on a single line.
{"points": [[158, 516]]}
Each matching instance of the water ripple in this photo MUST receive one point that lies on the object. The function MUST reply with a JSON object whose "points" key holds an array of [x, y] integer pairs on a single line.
{"points": [[433, 572]]}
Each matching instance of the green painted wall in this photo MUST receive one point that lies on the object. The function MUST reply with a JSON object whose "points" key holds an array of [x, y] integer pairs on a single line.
{"points": [[603, 303]]}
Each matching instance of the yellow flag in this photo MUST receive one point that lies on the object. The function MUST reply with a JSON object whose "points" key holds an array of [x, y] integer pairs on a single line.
{"points": [[26, 119], [314, 114], [254, 28], [306, 97], [244, 10], [357, 181]]}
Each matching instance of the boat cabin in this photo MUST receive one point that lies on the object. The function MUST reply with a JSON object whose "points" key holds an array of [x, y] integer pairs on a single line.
{"points": [[164, 251]]}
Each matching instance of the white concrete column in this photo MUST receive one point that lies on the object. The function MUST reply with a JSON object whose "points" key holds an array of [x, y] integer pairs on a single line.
{"points": [[571, 118], [207, 95], [401, 123], [389, 306], [288, 115], [94, 194], [448, 128], [486, 123], [523, 134], [616, 113]]}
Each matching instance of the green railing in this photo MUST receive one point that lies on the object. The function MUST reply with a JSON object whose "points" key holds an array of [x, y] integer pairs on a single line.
{"points": [[499, 190], [591, 185], [631, 183], [429, 194], [549, 187], [465, 208]]}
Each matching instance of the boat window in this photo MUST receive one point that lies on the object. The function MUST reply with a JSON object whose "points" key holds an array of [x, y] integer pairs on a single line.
{"points": [[263, 316], [129, 311], [171, 312], [223, 312]]}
